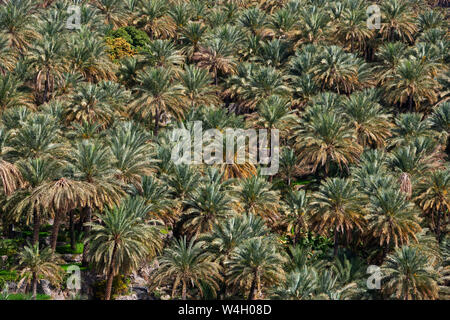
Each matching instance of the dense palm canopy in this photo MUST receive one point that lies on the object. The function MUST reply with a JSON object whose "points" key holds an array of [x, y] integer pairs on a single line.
{"points": [[89, 122]]}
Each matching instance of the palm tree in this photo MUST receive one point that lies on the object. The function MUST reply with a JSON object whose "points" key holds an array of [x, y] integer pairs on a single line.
{"points": [[155, 195], [392, 218], [46, 56], [158, 94], [90, 163], [187, 263], [254, 195], [397, 21], [352, 29], [255, 262], [121, 242], [191, 35], [153, 16], [299, 285], [36, 264], [298, 206], [10, 95], [216, 57], [112, 11], [338, 70], [7, 56], [35, 172], [371, 124], [88, 56], [335, 208], [10, 175], [197, 86], [433, 194], [408, 275], [206, 206], [390, 55], [411, 84], [16, 22], [61, 197], [325, 138], [163, 54], [131, 152], [274, 113]]}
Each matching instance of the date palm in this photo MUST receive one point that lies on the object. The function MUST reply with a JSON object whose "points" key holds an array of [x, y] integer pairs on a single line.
{"points": [[158, 94], [254, 195], [191, 36], [88, 56], [16, 22], [314, 25], [390, 55], [433, 197], [197, 86], [155, 196], [60, 198], [297, 203], [10, 94], [90, 103], [411, 84], [187, 263], [397, 21], [391, 218], [23, 202], [10, 175], [352, 29], [163, 53], [215, 56], [37, 264], [113, 12], [371, 124], [255, 262], [46, 56], [122, 242], [337, 70], [131, 153], [38, 136], [91, 164], [323, 139], [335, 208], [153, 15], [408, 275], [205, 207], [7, 56]]}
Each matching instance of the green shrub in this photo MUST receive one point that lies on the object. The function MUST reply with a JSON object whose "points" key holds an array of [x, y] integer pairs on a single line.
{"points": [[135, 37], [120, 287], [27, 296], [67, 250], [7, 276]]}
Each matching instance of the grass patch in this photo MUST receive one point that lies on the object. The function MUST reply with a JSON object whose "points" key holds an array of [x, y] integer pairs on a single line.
{"points": [[67, 250], [65, 266], [27, 296]]}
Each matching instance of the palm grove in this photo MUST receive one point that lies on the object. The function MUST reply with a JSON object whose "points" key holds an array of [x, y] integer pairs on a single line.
{"points": [[86, 116]]}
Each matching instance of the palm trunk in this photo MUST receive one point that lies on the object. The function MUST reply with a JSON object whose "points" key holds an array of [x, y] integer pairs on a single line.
{"points": [[336, 243], [87, 229], [46, 86], [72, 231], [110, 276], [36, 225], [156, 129], [183, 291], [252, 293], [34, 283], [410, 103], [438, 227], [55, 230]]}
